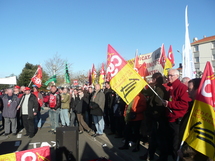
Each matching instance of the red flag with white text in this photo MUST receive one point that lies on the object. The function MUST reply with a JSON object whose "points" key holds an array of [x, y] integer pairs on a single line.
{"points": [[37, 78]]}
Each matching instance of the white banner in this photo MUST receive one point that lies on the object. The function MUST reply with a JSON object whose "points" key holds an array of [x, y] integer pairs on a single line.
{"points": [[9, 80], [152, 61]]}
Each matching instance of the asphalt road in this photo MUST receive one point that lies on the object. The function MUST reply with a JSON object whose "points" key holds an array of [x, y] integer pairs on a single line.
{"points": [[89, 147]]}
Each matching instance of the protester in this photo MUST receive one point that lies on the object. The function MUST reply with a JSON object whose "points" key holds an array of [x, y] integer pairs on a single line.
{"points": [[65, 103], [178, 105], [97, 103], [28, 109], [110, 97], [133, 117], [119, 108], [10, 103], [185, 80], [39, 96], [88, 116], [54, 108], [80, 108], [73, 103], [156, 111]]}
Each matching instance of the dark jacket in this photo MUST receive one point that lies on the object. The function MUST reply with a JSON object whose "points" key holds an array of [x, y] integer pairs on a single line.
{"points": [[58, 100], [97, 103], [110, 97], [156, 107], [81, 105], [32, 105], [73, 103], [178, 100], [10, 111]]}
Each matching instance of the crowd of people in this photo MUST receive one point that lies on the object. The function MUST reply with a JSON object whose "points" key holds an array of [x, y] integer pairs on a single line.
{"points": [[157, 115]]}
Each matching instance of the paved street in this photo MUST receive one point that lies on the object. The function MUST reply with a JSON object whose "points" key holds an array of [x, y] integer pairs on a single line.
{"points": [[89, 147]]}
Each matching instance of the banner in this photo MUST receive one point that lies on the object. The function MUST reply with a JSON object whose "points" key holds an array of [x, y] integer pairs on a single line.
{"points": [[151, 60], [37, 154], [123, 79], [199, 132], [9, 80], [37, 78]]}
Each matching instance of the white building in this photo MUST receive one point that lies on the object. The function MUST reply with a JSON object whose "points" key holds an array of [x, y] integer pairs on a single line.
{"points": [[203, 51]]}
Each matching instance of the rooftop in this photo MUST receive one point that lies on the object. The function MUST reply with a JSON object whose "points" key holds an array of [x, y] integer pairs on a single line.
{"points": [[204, 40]]}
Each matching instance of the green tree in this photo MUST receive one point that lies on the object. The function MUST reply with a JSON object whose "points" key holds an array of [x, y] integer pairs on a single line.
{"points": [[27, 73]]}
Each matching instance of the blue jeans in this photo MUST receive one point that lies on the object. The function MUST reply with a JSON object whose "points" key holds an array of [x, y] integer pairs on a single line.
{"points": [[38, 120], [99, 123], [54, 118], [64, 117]]}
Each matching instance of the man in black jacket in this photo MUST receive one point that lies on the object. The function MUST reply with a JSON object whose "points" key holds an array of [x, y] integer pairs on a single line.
{"points": [[28, 109], [54, 105], [110, 97]]}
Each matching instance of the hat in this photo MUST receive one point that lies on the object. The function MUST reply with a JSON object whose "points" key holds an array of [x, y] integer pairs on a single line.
{"points": [[27, 89], [34, 86], [18, 87]]}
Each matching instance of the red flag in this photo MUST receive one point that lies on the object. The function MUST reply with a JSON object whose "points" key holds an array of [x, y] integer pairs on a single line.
{"points": [[170, 56], [142, 70], [37, 78], [136, 63], [162, 59], [90, 77]]}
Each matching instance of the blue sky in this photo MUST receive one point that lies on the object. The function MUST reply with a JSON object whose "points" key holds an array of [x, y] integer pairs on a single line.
{"points": [[80, 30]]}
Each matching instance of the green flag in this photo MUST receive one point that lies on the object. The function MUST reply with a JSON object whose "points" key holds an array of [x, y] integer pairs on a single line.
{"points": [[53, 78], [67, 78]]}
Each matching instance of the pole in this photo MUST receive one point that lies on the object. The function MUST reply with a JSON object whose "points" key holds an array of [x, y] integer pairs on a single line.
{"points": [[159, 97], [32, 77]]}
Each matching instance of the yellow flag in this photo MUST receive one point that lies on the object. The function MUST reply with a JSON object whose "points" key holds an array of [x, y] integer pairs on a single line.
{"points": [[123, 79], [8, 157], [102, 76], [168, 65], [200, 129]]}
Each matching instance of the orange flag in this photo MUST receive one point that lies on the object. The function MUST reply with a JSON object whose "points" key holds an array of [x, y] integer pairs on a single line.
{"points": [[200, 129], [123, 79], [102, 75]]}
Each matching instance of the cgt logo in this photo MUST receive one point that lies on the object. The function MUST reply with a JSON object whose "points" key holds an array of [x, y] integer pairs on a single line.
{"points": [[115, 63]]}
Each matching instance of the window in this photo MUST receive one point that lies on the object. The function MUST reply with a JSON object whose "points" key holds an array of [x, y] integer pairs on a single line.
{"points": [[213, 57], [195, 48], [196, 59], [213, 44]]}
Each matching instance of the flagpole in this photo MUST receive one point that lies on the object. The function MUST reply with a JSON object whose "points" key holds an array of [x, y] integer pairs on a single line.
{"points": [[159, 97], [32, 77]]}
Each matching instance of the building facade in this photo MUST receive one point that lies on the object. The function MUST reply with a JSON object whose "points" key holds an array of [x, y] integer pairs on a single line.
{"points": [[203, 51]]}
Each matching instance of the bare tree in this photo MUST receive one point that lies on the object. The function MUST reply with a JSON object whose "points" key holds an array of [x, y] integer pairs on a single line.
{"points": [[56, 65]]}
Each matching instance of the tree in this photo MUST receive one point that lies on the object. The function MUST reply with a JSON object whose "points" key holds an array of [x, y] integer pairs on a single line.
{"points": [[27, 73], [56, 65]]}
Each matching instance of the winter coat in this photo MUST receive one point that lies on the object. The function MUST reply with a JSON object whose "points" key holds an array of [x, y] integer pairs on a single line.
{"points": [[138, 106], [58, 100], [178, 100], [32, 105], [65, 101], [10, 111], [97, 103], [81, 105]]}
